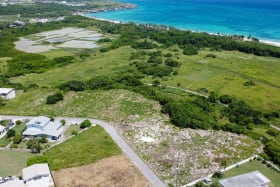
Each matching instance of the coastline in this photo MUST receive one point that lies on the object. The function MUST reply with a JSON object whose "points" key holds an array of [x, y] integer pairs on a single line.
{"points": [[131, 6]]}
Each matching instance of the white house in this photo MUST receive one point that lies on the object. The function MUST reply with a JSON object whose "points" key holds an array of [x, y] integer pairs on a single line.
{"points": [[252, 179], [37, 175], [7, 93], [39, 126]]}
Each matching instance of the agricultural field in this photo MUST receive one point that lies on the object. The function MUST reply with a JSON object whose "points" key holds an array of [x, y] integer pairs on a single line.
{"points": [[12, 162], [253, 166]]}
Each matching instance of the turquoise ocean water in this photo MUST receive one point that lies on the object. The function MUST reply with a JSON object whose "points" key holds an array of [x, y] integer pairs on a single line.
{"points": [[259, 18]]}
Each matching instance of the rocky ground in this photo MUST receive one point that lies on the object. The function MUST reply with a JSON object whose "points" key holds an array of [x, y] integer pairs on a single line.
{"points": [[183, 154]]}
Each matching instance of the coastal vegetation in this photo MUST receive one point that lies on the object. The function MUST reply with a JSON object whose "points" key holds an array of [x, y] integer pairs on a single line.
{"points": [[237, 81]]}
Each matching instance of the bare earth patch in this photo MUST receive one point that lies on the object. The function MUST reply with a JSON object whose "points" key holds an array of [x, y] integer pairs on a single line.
{"points": [[115, 171]]}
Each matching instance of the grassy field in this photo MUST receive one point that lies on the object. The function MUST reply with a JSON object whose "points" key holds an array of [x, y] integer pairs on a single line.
{"points": [[111, 105], [227, 73], [85, 148], [224, 74], [12, 162], [101, 64], [253, 166]]}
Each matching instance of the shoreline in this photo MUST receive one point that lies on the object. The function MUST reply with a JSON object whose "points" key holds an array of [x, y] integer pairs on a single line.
{"points": [[263, 41]]}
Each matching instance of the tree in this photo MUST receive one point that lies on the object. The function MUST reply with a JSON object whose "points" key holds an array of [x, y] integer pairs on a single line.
{"points": [[43, 139], [11, 133], [85, 124], [34, 145], [17, 139]]}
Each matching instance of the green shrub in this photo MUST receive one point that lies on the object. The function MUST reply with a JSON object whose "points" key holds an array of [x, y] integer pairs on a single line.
{"points": [[190, 50], [85, 124], [74, 132], [52, 99], [11, 133], [73, 85], [17, 139], [249, 83], [37, 160]]}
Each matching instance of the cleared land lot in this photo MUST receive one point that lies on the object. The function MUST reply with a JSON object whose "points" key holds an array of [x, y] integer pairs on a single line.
{"points": [[62, 38], [112, 171]]}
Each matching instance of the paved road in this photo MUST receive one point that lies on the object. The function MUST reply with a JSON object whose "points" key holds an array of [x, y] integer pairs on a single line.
{"points": [[146, 171]]}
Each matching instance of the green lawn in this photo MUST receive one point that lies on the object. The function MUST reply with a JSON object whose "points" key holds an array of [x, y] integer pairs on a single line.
{"points": [[253, 166], [12, 162], [18, 128], [85, 148], [70, 129]]}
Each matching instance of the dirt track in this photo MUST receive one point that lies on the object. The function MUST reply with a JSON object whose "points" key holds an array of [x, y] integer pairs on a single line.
{"points": [[115, 171]]}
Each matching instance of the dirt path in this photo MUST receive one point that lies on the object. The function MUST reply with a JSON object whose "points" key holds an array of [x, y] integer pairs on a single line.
{"points": [[115, 171]]}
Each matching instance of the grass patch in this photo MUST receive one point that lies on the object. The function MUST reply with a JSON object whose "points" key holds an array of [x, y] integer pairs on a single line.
{"points": [[70, 129], [101, 64], [109, 105], [12, 162], [227, 74], [85, 148], [253, 166]]}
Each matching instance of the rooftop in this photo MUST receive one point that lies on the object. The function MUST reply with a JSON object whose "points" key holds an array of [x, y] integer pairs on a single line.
{"points": [[252, 179], [6, 90], [35, 170]]}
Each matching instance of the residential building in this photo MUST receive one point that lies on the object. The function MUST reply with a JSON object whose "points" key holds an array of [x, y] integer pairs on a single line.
{"points": [[38, 175], [40, 126], [7, 93], [252, 179]]}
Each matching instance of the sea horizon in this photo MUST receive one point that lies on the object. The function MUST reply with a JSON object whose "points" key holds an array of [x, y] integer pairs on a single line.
{"points": [[251, 18]]}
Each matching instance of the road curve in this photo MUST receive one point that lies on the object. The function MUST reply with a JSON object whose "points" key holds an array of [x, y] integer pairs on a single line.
{"points": [[146, 171]]}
